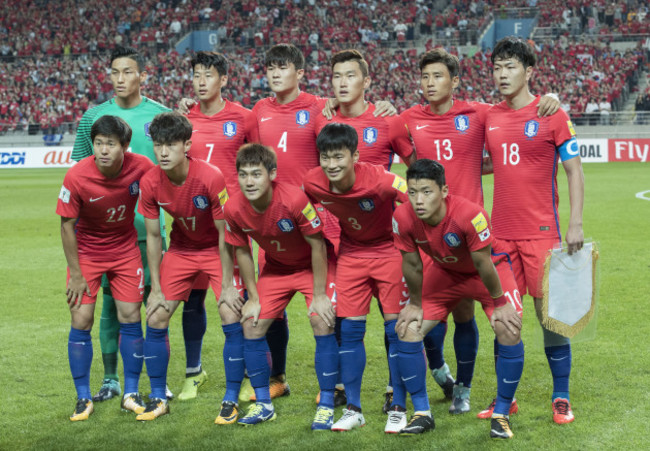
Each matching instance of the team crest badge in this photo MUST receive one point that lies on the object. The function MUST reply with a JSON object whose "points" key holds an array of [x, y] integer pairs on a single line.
{"points": [[302, 118], [370, 135], [201, 202], [462, 123], [147, 133], [366, 205], [229, 129], [134, 188], [531, 128], [452, 239], [285, 225]]}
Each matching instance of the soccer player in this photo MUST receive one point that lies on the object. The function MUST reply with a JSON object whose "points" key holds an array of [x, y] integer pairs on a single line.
{"points": [[455, 234], [97, 208], [525, 151], [219, 128], [127, 74], [193, 193], [452, 132], [280, 218], [362, 196]]}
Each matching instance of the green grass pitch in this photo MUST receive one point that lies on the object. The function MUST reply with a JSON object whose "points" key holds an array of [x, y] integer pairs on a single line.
{"points": [[609, 383]]}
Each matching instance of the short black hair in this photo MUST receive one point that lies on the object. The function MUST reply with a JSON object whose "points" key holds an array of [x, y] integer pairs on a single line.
{"points": [[350, 55], [514, 47], [128, 52], [167, 128], [336, 136], [281, 54], [427, 169], [440, 55], [211, 59], [255, 154], [112, 126]]}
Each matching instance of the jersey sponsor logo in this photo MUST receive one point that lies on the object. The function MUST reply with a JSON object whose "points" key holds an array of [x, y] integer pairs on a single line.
{"points": [[370, 135], [572, 148], [64, 195], [484, 235], [95, 199], [571, 129], [147, 133], [201, 202], [395, 227], [451, 239], [399, 184], [223, 197], [531, 128], [309, 212], [366, 205], [480, 223], [229, 129], [302, 118], [134, 188], [285, 225], [462, 123]]}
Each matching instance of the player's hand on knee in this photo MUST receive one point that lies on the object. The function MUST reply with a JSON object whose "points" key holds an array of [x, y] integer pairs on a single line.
{"points": [[508, 316], [321, 305], [384, 108], [77, 287], [251, 309], [155, 301], [574, 239], [409, 314], [231, 298]]}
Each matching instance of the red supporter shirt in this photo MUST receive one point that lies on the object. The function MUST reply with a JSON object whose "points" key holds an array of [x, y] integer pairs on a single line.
{"points": [[379, 137], [524, 153], [464, 229], [290, 129], [194, 205], [365, 211], [456, 140], [105, 207], [216, 139], [279, 230]]}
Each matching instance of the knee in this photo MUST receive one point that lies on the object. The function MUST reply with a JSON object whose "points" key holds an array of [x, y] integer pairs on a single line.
{"points": [[319, 327], [159, 319], [505, 336], [227, 315], [551, 339]]}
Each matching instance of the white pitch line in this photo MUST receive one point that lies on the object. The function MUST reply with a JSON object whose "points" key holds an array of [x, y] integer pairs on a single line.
{"points": [[642, 195]]}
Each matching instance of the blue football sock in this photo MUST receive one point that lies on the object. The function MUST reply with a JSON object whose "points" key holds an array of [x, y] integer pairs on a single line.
{"points": [[156, 356], [413, 373], [131, 349], [399, 390], [277, 338], [466, 347], [559, 359], [233, 360], [496, 353], [256, 356], [387, 348], [352, 356], [337, 333], [195, 322], [510, 365], [327, 367], [80, 356], [434, 344]]}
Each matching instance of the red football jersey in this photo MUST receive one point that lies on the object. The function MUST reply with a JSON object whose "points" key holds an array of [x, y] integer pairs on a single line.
{"points": [[456, 140], [525, 157], [105, 207], [379, 137], [194, 205], [216, 139], [290, 129], [464, 229], [279, 230], [365, 211]]}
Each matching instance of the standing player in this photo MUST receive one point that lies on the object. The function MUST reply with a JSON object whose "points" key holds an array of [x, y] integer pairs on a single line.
{"points": [[525, 150], [193, 193], [97, 205], [127, 74], [362, 196], [219, 128], [280, 218], [455, 234], [452, 132]]}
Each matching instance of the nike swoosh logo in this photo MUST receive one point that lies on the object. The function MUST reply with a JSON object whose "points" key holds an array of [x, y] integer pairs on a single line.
{"points": [[164, 203], [78, 343], [344, 352], [230, 359], [265, 119], [420, 127], [409, 378], [96, 199], [392, 356], [421, 242], [492, 128], [461, 362], [557, 360], [330, 374], [247, 230], [325, 202], [403, 302], [253, 375], [143, 357], [510, 382], [194, 131]]}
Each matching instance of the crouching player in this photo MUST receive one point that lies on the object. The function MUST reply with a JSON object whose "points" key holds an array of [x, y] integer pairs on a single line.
{"points": [[97, 208], [192, 192], [280, 218], [455, 233], [362, 196]]}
